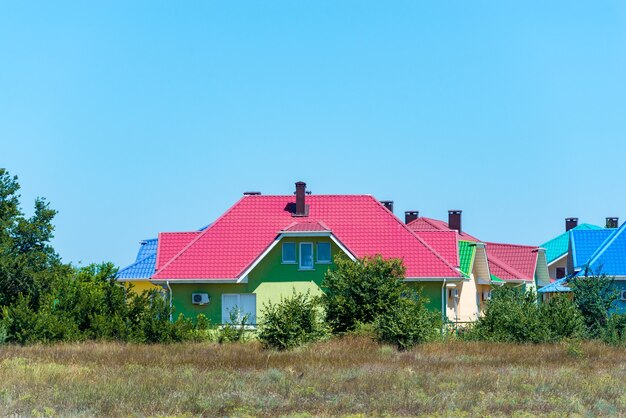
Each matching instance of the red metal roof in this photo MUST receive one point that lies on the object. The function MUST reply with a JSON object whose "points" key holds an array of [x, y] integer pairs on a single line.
{"points": [[430, 224], [171, 243], [307, 227], [512, 262], [233, 242], [444, 242]]}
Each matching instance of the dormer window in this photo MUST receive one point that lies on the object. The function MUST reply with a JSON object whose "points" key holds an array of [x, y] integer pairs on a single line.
{"points": [[306, 256], [323, 252], [289, 253]]}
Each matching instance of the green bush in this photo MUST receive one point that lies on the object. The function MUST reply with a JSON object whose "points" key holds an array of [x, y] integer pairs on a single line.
{"points": [[562, 318], [235, 329], [357, 292], [594, 295], [407, 323], [615, 330], [293, 321], [512, 315]]}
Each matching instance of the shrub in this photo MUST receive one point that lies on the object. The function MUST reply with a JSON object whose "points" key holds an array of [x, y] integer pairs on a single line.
{"points": [[407, 323], [594, 295], [615, 330], [512, 315], [294, 321], [235, 329], [357, 292], [562, 318]]}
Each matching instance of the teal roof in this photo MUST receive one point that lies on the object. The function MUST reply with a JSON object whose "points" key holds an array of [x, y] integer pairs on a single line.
{"points": [[558, 286], [557, 247]]}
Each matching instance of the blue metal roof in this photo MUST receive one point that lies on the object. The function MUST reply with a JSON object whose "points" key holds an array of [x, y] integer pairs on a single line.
{"points": [[141, 269], [145, 262], [610, 257], [558, 286], [584, 244], [147, 247], [557, 247]]}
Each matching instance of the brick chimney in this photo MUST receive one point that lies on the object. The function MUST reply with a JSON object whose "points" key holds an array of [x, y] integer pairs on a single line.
{"points": [[612, 222], [454, 220], [570, 223], [388, 204], [301, 209], [410, 216]]}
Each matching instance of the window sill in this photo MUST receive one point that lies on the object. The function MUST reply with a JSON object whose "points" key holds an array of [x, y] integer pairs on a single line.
{"points": [[291, 263], [307, 269], [323, 262]]}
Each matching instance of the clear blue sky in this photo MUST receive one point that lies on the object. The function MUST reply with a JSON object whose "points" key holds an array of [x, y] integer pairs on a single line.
{"points": [[139, 117]]}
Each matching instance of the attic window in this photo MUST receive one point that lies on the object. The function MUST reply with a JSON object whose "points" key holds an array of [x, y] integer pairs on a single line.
{"points": [[560, 272], [289, 253]]}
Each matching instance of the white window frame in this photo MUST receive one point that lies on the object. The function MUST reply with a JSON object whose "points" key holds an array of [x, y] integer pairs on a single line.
{"points": [[226, 315], [300, 267], [317, 253], [295, 253]]}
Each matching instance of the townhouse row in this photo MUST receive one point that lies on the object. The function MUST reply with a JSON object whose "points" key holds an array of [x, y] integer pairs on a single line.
{"points": [[264, 247]]}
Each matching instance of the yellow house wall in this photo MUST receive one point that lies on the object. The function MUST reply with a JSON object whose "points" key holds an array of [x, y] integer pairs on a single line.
{"points": [[139, 286]]}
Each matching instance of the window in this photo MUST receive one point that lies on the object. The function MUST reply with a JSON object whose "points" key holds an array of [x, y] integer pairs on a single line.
{"points": [[323, 252], [306, 256], [560, 272], [289, 252], [242, 304]]}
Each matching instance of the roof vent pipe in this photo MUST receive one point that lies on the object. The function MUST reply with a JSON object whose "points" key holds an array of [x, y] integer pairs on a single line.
{"points": [[570, 223]]}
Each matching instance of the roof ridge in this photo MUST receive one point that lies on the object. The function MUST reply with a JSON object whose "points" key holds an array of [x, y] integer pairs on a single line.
{"points": [[534, 247], [406, 227], [200, 235], [136, 262]]}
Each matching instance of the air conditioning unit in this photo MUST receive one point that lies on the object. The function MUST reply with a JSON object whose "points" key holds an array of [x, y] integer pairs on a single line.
{"points": [[454, 293], [200, 298], [487, 295], [622, 295]]}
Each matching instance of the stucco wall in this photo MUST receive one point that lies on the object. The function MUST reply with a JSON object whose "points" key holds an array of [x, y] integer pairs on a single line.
{"points": [[141, 285]]}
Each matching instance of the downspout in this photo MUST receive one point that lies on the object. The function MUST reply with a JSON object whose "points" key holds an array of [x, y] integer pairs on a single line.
{"points": [[169, 289], [443, 305]]}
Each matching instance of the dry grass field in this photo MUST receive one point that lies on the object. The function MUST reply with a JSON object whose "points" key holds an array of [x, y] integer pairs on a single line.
{"points": [[350, 376]]}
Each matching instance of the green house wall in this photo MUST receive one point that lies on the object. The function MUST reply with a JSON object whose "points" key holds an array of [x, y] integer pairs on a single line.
{"points": [[269, 280], [430, 291]]}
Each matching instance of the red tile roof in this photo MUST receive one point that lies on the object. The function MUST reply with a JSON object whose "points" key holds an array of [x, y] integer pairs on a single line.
{"points": [[512, 262], [430, 224], [233, 242], [444, 242], [171, 243]]}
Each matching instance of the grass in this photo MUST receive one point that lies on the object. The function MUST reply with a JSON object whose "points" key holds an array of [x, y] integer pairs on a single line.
{"points": [[340, 377]]}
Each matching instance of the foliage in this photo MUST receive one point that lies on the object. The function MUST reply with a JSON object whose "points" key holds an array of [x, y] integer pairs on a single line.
{"points": [[235, 329], [294, 321], [407, 323], [512, 315], [615, 330], [357, 292], [594, 295], [562, 318]]}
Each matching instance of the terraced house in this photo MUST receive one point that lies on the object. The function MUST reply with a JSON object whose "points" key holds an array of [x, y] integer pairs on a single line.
{"points": [[265, 247]]}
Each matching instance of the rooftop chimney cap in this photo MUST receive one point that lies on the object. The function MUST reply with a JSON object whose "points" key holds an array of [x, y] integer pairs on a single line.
{"points": [[410, 216], [251, 193], [570, 223], [454, 219], [388, 204], [301, 206], [612, 222]]}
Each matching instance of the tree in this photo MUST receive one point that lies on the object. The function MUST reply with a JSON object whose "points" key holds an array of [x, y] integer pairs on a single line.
{"points": [[28, 262], [594, 295], [357, 292]]}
